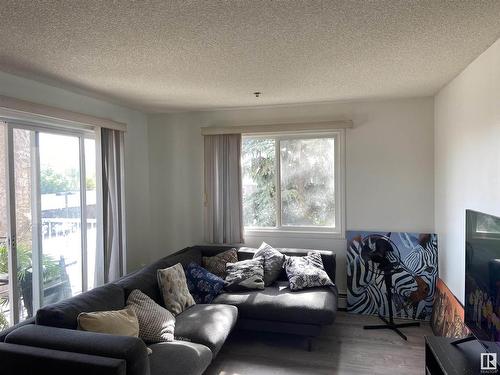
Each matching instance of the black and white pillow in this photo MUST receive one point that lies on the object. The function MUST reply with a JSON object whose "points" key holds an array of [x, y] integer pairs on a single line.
{"points": [[245, 275], [156, 324], [273, 262], [306, 272]]}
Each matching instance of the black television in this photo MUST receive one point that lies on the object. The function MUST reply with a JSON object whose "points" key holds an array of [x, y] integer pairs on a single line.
{"points": [[482, 278]]}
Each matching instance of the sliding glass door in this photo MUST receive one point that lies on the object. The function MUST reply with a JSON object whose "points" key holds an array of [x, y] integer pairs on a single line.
{"points": [[47, 217]]}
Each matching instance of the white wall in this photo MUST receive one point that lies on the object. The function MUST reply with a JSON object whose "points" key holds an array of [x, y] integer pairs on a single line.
{"points": [[136, 152], [467, 159], [389, 170]]}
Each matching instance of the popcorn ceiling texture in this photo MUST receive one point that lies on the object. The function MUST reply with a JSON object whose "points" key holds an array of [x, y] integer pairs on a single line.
{"points": [[161, 56]]}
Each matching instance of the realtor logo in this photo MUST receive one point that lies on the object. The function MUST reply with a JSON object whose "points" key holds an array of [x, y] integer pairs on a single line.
{"points": [[489, 362]]}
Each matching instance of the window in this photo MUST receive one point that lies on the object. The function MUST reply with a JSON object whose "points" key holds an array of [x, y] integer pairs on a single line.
{"points": [[293, 182], [48, 213]]}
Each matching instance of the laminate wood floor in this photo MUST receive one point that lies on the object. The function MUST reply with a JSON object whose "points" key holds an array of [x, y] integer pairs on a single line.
{"points": [[343, 348]]}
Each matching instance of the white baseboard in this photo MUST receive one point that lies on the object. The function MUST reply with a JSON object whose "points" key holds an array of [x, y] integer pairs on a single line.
{"points": [[342, 301]]}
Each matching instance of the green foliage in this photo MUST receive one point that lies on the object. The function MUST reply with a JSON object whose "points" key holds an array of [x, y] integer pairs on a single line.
{"points": [[307, 182], [51, 269], [258, 163], [54, 182], [90, 183], [308, 188], [4, 322]]}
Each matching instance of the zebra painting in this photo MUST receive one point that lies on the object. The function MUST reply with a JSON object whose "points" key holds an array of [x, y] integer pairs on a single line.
{"points": [[412, 259]]}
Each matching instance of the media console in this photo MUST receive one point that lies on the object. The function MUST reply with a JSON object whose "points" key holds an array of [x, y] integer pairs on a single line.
{"points": [[442, 357]]}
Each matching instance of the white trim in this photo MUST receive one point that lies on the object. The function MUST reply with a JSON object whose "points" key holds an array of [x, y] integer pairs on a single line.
{"points": [[11, 221], [299, 233], [278, 128], [22, 110], [83, 213], [337, 232], [99, 276], [36, 223]]}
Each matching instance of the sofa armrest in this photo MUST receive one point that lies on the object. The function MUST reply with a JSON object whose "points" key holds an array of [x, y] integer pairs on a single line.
{"points": [[6, 332], [130, 349], [22, 359]]}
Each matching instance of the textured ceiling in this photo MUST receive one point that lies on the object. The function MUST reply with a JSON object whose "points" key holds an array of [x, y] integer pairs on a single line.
{"points": [[162, 56]]}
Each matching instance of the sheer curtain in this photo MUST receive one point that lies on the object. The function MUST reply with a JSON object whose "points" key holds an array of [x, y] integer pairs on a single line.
{"points": [[112, 203], [223, 195]]}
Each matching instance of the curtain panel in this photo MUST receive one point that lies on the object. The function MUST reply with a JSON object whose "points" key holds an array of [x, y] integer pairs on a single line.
{"points": [[112, 202], [223, 189]]}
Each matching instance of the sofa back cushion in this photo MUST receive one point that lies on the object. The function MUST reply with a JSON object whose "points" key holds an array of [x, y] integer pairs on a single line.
{"points": [[64, 314], [146, 279]]}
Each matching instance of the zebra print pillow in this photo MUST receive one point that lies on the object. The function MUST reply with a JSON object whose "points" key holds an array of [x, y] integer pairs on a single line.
{"points": [[306, 272]]}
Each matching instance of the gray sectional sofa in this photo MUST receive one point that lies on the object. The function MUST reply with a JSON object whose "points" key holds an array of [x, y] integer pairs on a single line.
{"points": [[51, 343]]}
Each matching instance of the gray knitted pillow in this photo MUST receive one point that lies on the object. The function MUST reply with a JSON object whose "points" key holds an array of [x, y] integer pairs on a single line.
{"points": [[156, 324]]}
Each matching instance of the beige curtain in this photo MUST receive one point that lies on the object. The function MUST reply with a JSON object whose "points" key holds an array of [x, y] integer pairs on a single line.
{"points": [[223, 195]]}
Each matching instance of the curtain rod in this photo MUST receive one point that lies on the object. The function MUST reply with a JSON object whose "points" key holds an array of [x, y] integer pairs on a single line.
{"points": [[18, 109], [273, 128]]}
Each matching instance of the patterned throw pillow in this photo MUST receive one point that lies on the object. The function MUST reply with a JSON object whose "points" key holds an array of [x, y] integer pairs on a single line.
{"points": [[203, 285], [174, 289], [245, 275], [217, 263], [273, 262], [306, 272], [156, 323]]}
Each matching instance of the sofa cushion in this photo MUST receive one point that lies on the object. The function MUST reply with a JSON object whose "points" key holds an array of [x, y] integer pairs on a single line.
{"points": [[245, 275], [273, 262], [64, 314], [306, 272], [156, 323], [116, 322], [279, 303], [204, 286], [208, 325], [146, 279], [217, 263], [174, 289], [179, 358]]}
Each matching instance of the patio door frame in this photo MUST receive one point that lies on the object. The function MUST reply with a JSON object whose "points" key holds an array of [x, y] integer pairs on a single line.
{"points": [[37, 250]]}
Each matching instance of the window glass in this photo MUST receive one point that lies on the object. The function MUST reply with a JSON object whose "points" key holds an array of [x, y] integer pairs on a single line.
{"points": [[258, 159], [308, 182], [301, 169], [61, 216]]}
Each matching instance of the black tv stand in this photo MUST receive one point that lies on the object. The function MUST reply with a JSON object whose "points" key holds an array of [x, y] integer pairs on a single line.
{"points": [[462, 340], [442, 357]]}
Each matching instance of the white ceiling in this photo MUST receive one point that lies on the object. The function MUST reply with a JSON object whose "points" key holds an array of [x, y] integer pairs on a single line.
{"points": [[193, 55]]}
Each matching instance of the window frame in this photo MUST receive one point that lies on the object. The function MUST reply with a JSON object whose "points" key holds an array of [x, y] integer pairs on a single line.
{"points": [[37, 250], [337, 231]]}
